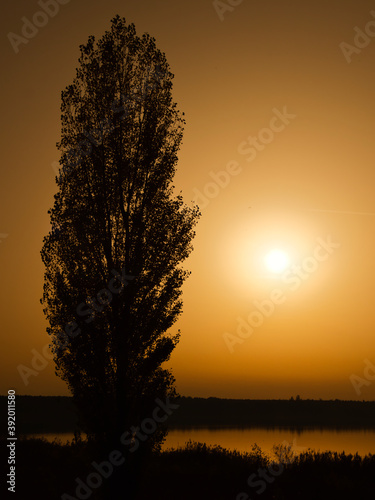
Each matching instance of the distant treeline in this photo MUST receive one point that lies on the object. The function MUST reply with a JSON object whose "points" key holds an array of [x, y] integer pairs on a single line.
{"points": [[43, 414], [273, 413]]}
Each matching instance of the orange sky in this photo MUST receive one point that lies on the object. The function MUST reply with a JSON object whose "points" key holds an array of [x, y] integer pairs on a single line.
{"points": [[308, 178]]}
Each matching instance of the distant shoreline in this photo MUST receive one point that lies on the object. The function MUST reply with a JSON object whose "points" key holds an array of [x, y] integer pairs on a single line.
{"points": [[46, 414]]}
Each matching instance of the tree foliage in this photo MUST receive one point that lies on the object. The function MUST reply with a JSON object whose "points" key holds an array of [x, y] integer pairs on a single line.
{"points": [[112, 284]]}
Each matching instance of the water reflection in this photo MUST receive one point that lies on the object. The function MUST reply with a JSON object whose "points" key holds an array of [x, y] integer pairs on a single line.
{"points": [[242, 439], [350, 441]]}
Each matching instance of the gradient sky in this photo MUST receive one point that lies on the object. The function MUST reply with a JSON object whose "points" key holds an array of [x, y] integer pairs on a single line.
{"points": [[311, 180]]}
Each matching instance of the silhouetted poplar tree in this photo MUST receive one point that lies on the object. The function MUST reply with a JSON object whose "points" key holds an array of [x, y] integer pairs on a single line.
{"points": [[113, 279]]}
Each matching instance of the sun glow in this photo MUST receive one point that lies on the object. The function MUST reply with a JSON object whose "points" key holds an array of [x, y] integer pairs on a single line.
{"points": [[276, 261]]}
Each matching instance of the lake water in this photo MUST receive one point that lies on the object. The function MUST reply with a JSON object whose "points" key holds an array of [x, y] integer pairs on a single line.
{"points": [[242, 439]]}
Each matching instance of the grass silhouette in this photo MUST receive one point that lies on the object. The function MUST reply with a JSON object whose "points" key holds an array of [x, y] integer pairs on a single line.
{"points": [[197, 471]]}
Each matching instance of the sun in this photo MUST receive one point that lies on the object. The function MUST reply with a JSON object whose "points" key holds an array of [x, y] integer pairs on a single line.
{"points": [[276, 261]]}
